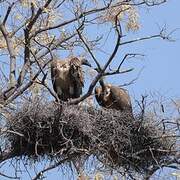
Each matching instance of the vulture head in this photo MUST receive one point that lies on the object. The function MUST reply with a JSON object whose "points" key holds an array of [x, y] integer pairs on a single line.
{"points": [[85, 62], [67, 77], [113, 97]]}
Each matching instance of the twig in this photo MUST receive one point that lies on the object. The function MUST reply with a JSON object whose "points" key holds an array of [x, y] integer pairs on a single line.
{"points": [[89, 50], [7, 13], [40, 174], [12, 54], [9, 177]]}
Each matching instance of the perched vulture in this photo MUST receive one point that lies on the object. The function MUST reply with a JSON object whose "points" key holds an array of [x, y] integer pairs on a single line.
{"points": [[67, 77], [113, 97]]}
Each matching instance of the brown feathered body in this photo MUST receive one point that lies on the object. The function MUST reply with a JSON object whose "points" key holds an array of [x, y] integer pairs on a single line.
{"points": [[113, 97], [67, 78]]}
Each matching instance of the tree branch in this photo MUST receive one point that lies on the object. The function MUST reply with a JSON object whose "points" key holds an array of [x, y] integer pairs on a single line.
{"points": [[12, 54], [27, 38], [89, 50], [100, 74], [40, 174], [7, 13]]}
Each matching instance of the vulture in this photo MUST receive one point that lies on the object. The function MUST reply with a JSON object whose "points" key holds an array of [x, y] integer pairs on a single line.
{"points": [[113, 97], [67, 77]]}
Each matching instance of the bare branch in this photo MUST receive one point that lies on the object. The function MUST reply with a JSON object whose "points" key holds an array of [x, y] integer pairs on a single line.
{"points": [[40, 174], [10, 91], [60, 4], [118, 72], [82, 15], [89, 50], [160, 35], [7, 13], [24, 88], [9, 177], [27, 37], [12, 54], [100, 74]]}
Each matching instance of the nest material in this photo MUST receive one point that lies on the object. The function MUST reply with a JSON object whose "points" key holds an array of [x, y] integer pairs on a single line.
{"points": [[116, 139]]}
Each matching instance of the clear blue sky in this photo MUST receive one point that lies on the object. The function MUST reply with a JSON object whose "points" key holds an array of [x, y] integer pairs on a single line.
{"points": [[161, 64]]}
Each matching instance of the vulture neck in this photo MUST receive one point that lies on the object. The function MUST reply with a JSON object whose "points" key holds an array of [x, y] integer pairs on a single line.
{"points": [[102, 84]]}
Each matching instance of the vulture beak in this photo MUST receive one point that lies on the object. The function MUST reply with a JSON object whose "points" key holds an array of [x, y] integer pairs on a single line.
{"points": [[85, 62]]}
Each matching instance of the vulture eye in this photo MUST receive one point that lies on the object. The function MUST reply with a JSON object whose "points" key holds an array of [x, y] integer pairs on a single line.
{"points": [[85, 62]]}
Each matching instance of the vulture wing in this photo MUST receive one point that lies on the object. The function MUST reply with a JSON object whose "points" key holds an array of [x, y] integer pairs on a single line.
{"points": [[76, 76], [53, 75], [120, 98]]}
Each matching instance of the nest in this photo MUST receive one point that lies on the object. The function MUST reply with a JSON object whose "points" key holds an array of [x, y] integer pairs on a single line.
{"points": [[118, 140]]}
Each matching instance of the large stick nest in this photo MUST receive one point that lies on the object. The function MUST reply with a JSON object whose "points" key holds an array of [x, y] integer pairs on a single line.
{"points": [[118, 140]]}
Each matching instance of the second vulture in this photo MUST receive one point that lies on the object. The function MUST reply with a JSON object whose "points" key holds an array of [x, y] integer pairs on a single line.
{"points": [[67, 77], [113, 97]]}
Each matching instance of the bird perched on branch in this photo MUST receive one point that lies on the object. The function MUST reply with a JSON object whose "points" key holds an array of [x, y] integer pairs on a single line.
{"points": [[67, 77], [113, 97]]}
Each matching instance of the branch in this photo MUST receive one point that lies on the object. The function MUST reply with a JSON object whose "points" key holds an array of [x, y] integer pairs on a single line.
{"points": [[40, 174], [7, 13], [83, 14], [89, 12], [118, 71], [45, 74], [9, 177], [27, 38], [154, 3], [100, 74], [133, 80], [160, 35], [89, 50], [92, 11], [58, 43], [21, 90], [10, 91], [34, 18], [166, 163], [60, 4], [12, 54]]}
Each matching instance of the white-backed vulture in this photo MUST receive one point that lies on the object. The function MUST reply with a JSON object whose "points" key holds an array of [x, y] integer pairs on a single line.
{"points": [[67, 77], [113, 97]]}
